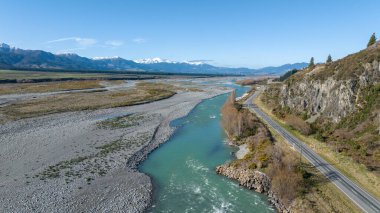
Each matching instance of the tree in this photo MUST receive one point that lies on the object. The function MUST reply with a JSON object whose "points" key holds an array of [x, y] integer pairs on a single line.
{"points": [[372, 40], [329, 59], [288, 74], [311, 64]]}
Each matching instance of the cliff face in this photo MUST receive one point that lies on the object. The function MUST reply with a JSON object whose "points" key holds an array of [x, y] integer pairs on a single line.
{"points": [[340, 101], [332, 90]]}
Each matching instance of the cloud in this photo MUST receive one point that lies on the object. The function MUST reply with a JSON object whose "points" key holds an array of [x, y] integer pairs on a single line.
{"points": [[139, 40], [82, 42], [114, 43]]}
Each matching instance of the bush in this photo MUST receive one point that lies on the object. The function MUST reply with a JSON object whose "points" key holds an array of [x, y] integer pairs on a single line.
{"points": [[238, 122], [298, 124], [287, 179], [288, 74]]}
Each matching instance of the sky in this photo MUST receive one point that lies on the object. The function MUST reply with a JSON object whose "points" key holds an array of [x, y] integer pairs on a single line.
{"points": [[238, 33]]}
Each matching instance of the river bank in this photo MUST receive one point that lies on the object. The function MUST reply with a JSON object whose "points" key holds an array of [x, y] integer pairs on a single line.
{"points": [[86, 160], [182, 169], [274, 168]]}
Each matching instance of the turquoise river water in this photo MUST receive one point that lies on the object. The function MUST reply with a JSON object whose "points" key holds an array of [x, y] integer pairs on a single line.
{"points": [[183, 169]]}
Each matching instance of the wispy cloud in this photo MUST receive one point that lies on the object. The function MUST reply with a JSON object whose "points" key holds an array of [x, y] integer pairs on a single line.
{"points": [[82, 42], [139, 40], [114, 43]]}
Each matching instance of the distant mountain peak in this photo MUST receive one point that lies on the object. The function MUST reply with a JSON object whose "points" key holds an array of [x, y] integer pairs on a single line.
{"points": [[67, 54], [4, 46], [105, 58], [160, 60], [152, 60], [195, 62]]}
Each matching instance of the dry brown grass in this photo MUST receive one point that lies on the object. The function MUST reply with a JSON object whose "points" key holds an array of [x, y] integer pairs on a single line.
{"points": [[298, 124], [287, 179], [143, 93], [29, 75], [248, 81], [19, 88]]}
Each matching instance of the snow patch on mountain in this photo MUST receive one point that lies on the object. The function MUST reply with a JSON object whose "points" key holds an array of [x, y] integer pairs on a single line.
{"points": [[160, 60], [195, 62], [152, 61], [105, 58]]}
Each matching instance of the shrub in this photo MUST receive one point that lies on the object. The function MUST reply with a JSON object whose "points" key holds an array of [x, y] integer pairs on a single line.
{"points": [[238, 123], [298, 124], [287, 179], [288, 74]]}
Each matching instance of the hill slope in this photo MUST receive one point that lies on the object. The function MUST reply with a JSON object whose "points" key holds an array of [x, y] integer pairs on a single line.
{"points": [[340, 101]]}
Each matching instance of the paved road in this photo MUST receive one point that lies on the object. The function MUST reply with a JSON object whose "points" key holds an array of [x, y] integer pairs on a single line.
{"points": [[359, 196]]}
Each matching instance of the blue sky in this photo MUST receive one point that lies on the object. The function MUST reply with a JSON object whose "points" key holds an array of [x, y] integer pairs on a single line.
{"points": [[249, 33]]}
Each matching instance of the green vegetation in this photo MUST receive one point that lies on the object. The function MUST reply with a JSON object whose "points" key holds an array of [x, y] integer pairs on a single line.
{"points": [[54, 171], [311, 63], [314, 187], [120, 122], [372, 40], [356, 135], [288, 74], [369, 100], [353, 150], [329, 59], [347, 68], [111, 147]]}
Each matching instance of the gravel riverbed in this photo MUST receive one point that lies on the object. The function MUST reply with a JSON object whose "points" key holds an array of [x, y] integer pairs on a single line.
{"points": [[86, 161]]}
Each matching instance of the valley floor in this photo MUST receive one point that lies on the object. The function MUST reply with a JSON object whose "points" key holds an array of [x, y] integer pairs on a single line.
{"points": [[86, 160]]}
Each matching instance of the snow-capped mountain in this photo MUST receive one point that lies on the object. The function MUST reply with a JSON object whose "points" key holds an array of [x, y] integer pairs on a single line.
{"points": [[153, 61], [15, 58], [160, 60], [195, 62], [105, 57]]}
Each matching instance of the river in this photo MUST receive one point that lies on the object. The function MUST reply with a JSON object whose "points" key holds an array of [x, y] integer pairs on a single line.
{"points": [[183, 169]]}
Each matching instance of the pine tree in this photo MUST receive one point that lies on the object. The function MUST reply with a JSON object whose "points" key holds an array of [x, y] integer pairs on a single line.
{"points": [[311, 64], [329, 59], [372, 40]]}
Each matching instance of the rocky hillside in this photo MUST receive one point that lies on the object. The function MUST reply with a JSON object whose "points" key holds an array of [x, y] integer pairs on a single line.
{"points": [[333, 90], [339, 100]]}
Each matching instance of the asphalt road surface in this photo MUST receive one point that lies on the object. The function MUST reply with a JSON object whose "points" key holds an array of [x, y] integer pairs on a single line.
{"points": [[359, 196]]}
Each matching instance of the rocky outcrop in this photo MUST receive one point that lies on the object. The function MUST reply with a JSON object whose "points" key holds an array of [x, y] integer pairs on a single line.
{"points": [[250, 179], [333, 97], [253, 180]]}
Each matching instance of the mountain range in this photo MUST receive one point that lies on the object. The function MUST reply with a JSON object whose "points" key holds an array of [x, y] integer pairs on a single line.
{"points": [[16, 58]]}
